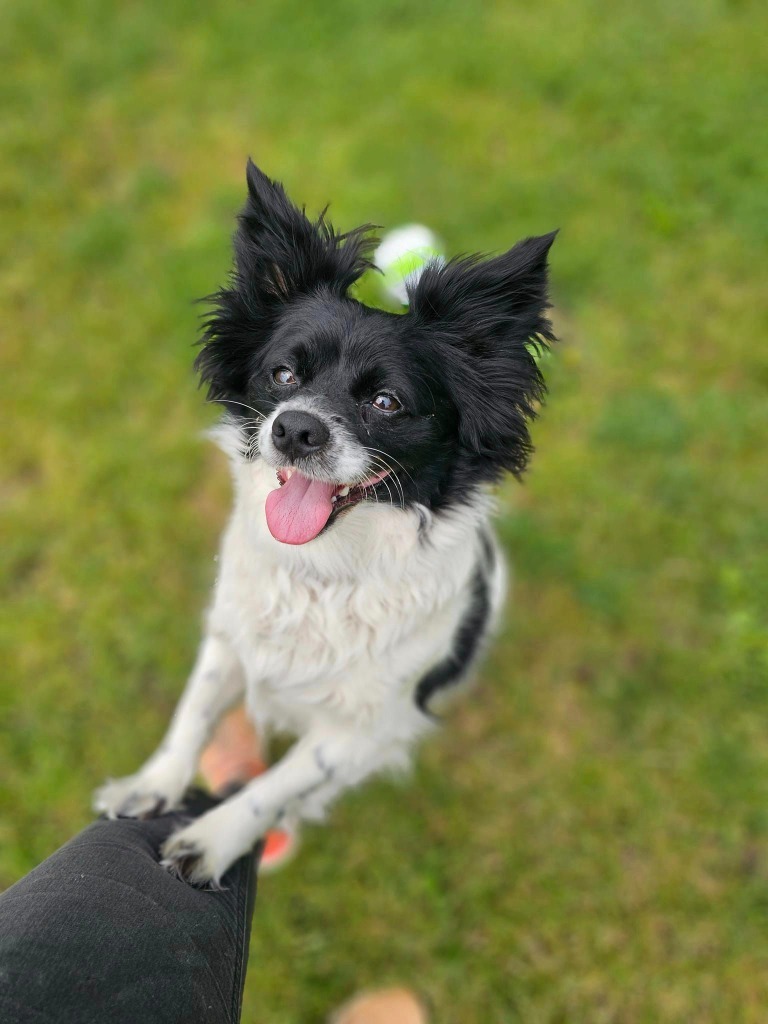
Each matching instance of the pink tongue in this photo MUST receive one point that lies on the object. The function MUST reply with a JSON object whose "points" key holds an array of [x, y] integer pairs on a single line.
{"points": [[297, 511]]}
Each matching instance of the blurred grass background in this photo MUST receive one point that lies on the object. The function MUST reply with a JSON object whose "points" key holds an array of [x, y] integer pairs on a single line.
{"points": [[587, 840]]}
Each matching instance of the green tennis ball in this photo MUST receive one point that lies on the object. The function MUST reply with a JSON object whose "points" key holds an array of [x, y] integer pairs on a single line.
{"points": [[402, 255]]}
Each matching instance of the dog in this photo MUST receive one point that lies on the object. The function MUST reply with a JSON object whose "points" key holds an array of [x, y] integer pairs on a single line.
{"points": [[359, 576]]}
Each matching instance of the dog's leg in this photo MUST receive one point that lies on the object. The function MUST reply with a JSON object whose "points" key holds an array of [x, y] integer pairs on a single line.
{"points": [[215, 683], [323, 764]]}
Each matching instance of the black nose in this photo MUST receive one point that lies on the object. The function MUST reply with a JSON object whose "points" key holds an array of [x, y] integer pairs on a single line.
{"points": [[297, 434]]}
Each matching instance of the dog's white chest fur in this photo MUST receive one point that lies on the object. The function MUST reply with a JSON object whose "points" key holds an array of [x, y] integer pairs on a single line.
{"points": [[346, 625]]}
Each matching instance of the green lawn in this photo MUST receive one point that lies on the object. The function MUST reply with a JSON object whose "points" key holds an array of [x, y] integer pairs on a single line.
{"points": [[587, 840]]}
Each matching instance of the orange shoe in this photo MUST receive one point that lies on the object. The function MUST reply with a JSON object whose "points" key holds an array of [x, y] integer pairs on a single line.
{"points": [[387, 1006], [280, 845], [233, 754], [232, 759]]}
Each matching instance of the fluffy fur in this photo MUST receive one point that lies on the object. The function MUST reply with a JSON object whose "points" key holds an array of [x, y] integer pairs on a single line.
{"points": [[354, 595]]}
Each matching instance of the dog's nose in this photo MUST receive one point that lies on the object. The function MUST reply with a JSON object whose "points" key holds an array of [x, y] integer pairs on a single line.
{"points": [[296, 434]]}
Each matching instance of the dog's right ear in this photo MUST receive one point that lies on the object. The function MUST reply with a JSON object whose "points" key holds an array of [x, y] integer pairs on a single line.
{"points": [[279, 255]]}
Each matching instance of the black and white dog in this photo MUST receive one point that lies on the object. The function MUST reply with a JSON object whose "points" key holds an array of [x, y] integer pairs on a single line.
{"points": [[358, 574]]}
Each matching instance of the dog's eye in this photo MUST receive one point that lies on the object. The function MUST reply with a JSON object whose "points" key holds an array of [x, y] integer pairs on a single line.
{"points": [[385, 402], [282, 375]]}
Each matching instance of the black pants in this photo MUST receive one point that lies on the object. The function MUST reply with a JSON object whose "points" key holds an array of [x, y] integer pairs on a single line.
{"points": [[101, 933]]}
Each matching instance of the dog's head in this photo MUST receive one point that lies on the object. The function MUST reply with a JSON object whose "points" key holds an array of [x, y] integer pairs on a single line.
{"points": [[351, 404]]}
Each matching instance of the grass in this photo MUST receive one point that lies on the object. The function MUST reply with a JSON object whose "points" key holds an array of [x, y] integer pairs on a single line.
{"points": [[587, 841]]}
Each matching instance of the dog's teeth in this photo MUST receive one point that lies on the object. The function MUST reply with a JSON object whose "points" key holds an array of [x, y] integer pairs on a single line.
{"points": [[289, 473], [344, 491]]}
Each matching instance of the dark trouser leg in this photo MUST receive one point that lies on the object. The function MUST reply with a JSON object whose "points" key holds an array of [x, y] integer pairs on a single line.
{"points": [[100, 933]]}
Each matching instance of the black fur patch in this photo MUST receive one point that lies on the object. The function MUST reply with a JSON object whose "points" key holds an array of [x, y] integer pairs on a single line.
{"points": [[466, 642]]}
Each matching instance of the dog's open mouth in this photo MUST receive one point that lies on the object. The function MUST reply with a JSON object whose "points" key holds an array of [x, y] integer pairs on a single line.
{"points": [[300, 508]]}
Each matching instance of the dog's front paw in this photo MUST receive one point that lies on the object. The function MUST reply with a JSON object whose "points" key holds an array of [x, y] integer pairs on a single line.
{"points": [[149, 792], [202, 852], [190, 861]]}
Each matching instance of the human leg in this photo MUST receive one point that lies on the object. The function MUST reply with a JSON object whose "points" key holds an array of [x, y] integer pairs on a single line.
{"points": [[101, 931]]}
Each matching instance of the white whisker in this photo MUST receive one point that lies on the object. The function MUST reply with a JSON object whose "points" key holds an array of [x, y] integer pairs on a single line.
{"points": [[393, 474], [379, 463], [391, 458], [232, 401]]}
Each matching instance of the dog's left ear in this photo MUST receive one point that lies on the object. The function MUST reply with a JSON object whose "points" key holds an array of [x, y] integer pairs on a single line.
{"points": [[491, 317], [280, 254]]}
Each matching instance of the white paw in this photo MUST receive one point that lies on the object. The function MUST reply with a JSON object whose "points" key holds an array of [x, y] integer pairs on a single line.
{"points": [[153, 790], [202, 852]]}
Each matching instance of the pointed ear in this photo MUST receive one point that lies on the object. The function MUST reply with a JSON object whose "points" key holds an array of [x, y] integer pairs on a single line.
{"points": [[279, 255], [492, 314]]}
